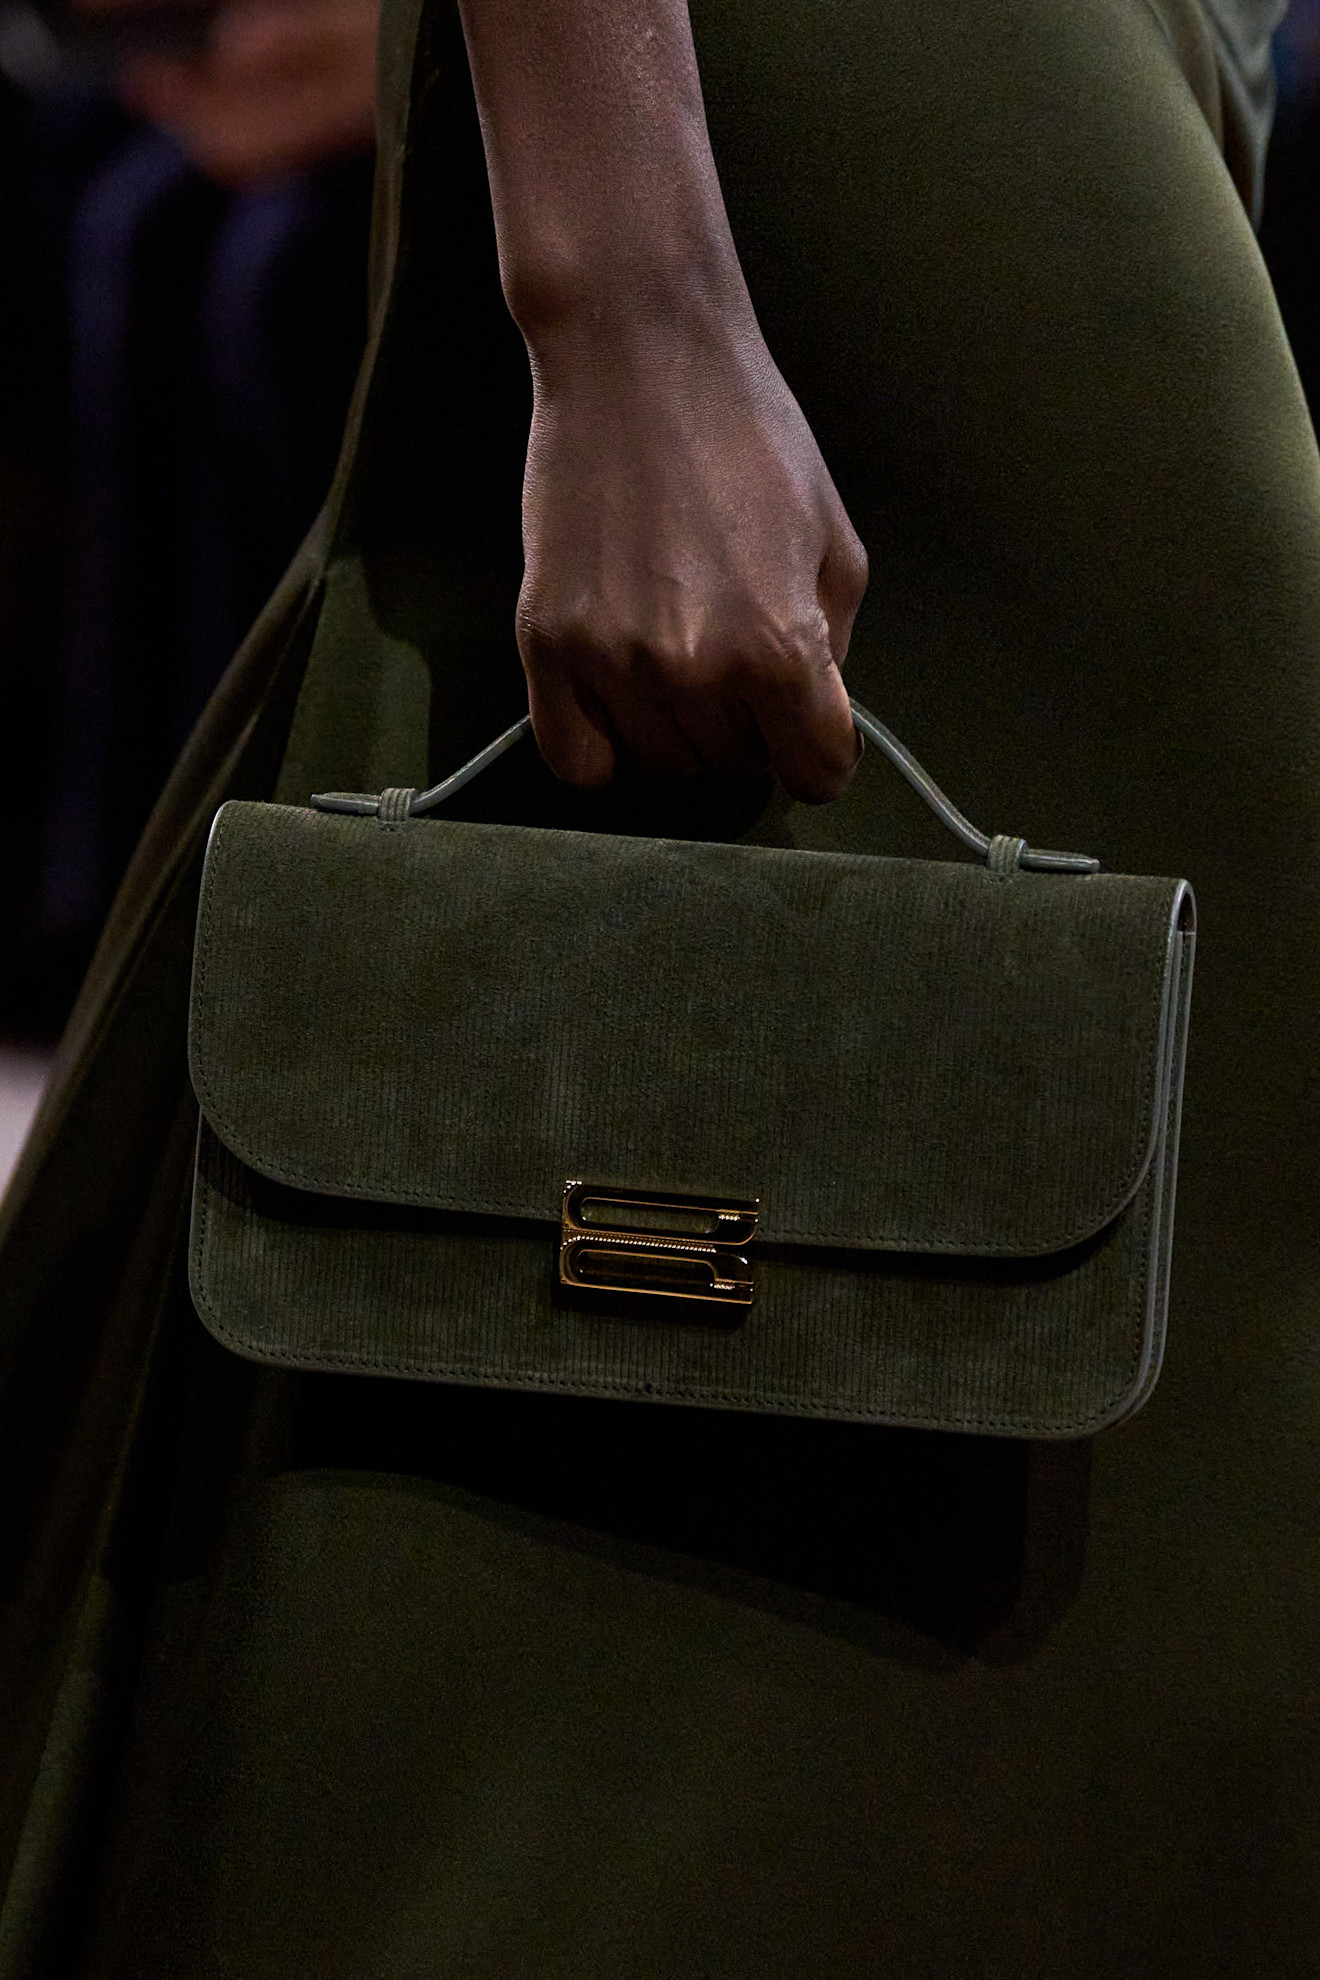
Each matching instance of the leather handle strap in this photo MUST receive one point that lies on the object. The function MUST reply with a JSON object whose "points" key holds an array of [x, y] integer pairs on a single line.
{"points": [[1002, 853]]}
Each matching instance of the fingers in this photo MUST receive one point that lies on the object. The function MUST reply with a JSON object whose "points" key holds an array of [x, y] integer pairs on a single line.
{"points": [[585, 709], [787, 708], [808, 729], [722, 734], [841, 585], [803, 712], [573, 738], [650, 732], [799, 722], [580, 736]]}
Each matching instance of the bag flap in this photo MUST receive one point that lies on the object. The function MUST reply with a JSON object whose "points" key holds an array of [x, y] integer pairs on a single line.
{"points": [[889, 1054]]}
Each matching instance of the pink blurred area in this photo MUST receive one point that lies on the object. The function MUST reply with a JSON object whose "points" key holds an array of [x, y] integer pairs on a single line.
{"points": [[22, 1076]]}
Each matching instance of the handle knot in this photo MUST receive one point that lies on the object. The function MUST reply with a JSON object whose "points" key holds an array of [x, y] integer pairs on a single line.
{"points": [[1005, 855], [395, 806]]}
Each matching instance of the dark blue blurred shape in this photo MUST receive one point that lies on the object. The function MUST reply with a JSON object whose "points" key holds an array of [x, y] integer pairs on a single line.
{"points": [[188, 357]]}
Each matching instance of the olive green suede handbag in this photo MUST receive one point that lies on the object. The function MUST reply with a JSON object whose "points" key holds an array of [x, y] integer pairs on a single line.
{"points": [[836, 1135]]}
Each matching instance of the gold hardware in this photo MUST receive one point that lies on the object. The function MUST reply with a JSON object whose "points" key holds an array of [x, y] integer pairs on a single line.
{"points": [[648, 1241]]}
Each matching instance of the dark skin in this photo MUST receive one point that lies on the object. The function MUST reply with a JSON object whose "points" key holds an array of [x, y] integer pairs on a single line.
{"points": [[691, 575]]}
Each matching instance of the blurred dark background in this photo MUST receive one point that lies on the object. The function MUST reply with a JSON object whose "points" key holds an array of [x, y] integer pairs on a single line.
{"points": [[1290, 227], [184, 211]]}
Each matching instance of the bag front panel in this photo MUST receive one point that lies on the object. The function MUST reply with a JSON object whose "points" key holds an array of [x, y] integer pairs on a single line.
{"points": [[1054, 1347], [952, 1094]]}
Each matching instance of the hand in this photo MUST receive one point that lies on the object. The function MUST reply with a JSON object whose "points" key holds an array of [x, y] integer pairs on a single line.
{"points": [[691, 575], [280, 86]]}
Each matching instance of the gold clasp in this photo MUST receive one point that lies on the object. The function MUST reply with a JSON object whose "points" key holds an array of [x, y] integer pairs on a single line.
{"points": [[647, 1241]]}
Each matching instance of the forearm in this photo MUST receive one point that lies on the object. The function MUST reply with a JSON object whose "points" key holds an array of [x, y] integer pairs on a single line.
{"points": [[690, 575], [605, 191]]}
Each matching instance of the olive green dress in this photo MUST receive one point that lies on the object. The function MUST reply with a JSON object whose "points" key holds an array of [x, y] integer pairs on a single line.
{"points": [[347, 1678]]}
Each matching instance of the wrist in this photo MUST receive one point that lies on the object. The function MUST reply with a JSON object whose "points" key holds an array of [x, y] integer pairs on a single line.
{"points": [[601, 303]]}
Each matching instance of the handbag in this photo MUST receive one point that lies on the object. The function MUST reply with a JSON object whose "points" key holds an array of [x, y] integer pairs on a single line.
{"points": [[838, 1135]]}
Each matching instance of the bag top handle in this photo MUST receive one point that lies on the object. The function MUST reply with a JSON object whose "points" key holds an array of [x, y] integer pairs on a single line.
{"points": [[1002, 853]]}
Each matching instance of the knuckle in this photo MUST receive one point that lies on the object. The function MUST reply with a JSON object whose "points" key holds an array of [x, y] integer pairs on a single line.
{"points": [[782, 659], [553, 629], [847, 570], [536, 639], [805, 651], [546, 634]]}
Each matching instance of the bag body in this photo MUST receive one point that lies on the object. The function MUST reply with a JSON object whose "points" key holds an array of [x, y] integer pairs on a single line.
{"points": [[927, 1113]]}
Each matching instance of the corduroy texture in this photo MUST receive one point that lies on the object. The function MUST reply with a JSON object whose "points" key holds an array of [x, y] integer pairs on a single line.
{"points": [[891, 1055]]}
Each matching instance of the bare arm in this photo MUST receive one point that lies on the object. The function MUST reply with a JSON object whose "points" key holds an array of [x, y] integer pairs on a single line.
{"points": [[691, 577]]}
